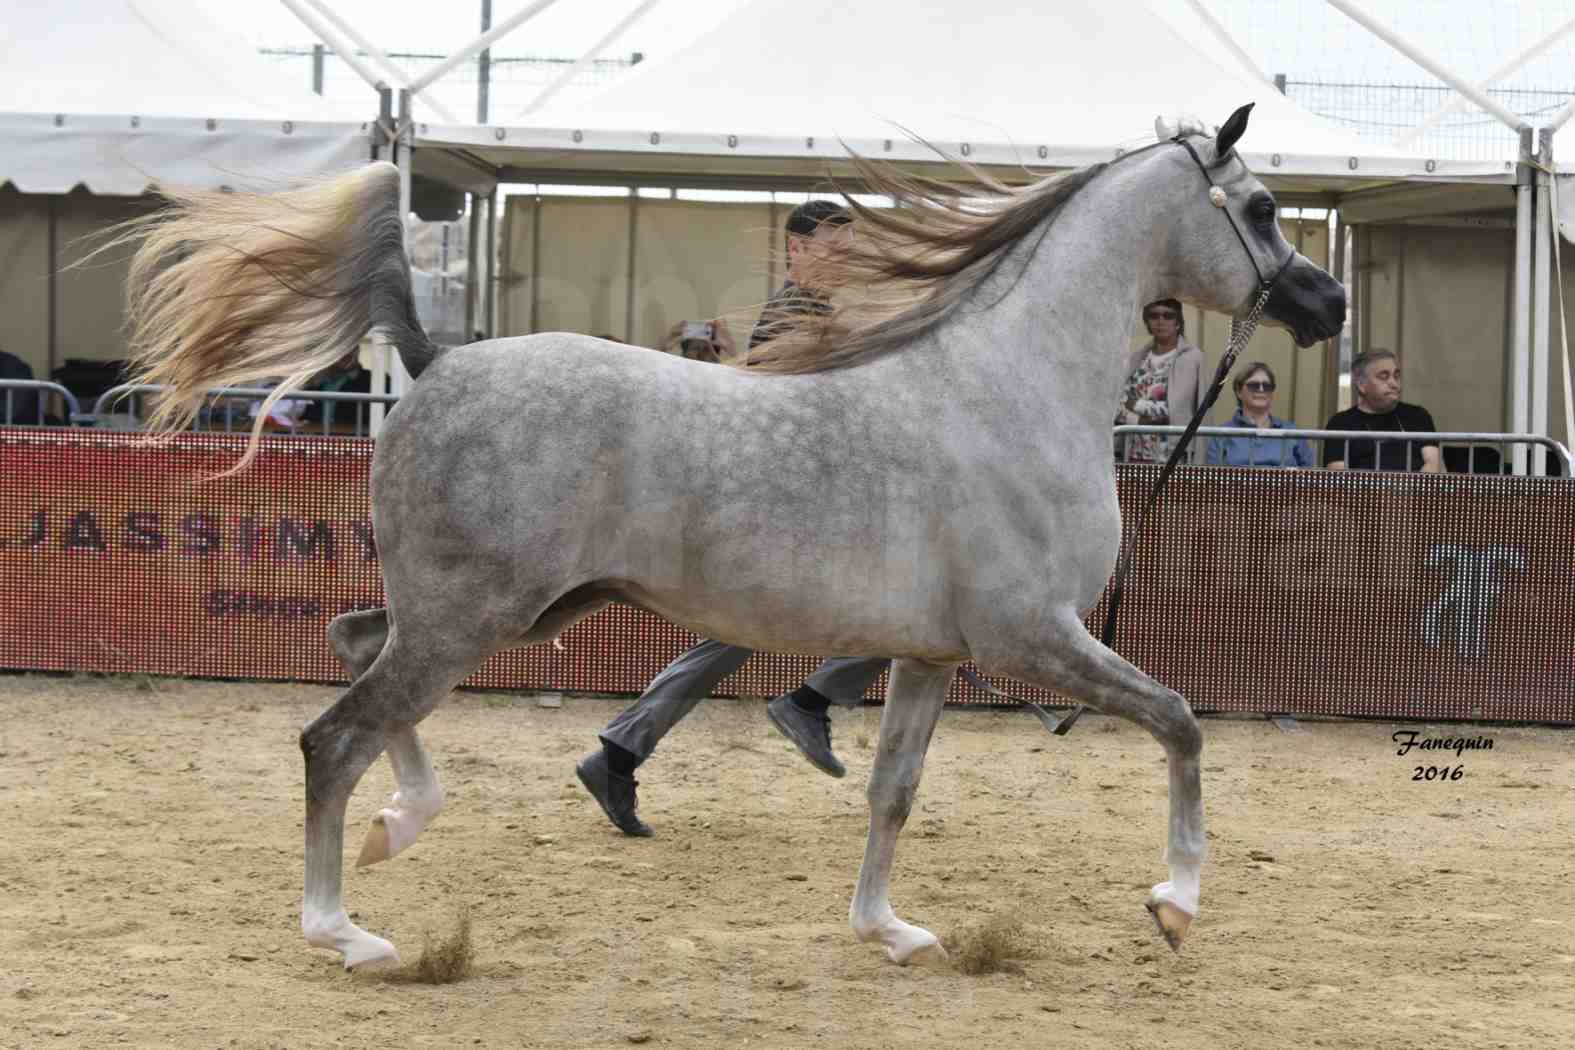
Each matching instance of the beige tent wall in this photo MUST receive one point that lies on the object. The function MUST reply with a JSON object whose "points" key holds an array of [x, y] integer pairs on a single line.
{"points": [[698, 260], [91, 306], [576, 279], [516, 260], [1440, 297], [568, 259], [24, 278]]}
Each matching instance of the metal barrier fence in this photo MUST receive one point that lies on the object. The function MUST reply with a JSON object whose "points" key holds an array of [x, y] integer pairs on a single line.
{"points": [[1462, 452], [233, 408], [17, 394], [1376, 594]]}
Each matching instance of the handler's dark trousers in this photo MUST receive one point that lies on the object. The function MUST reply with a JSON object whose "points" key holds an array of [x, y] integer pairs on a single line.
{"points": [[694, 675]]}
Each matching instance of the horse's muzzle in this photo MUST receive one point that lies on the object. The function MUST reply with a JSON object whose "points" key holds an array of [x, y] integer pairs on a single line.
{"points": [[1307, 301]]}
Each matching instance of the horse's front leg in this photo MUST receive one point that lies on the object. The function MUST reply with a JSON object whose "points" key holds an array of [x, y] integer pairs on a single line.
{"points": [[913, 703], [1071, 661]]}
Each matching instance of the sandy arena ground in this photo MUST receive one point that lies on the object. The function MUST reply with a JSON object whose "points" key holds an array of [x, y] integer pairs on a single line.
{"points": [[150, 879]]}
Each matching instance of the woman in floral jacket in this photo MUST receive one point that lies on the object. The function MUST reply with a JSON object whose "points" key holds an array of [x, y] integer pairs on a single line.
{"points": [[1164, 383]]}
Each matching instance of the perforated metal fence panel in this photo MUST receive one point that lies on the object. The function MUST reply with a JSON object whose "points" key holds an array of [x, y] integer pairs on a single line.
{"points": [[1386, 595]]}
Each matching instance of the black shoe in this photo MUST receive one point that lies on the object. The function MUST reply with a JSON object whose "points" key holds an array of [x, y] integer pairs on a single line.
{"points": [[614, 792], [809, 731]]}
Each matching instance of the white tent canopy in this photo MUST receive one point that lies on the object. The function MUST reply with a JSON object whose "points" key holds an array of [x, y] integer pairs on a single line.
{"points": [[115, 94], [788, 82]]}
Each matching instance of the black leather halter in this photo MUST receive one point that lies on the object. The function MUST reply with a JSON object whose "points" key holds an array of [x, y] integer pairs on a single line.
{"points": [[1264, 286], [1241, 332]]}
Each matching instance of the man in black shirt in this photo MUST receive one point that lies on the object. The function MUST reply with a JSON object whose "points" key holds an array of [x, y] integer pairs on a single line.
{"points": [[1375, 377], [629, 739]]}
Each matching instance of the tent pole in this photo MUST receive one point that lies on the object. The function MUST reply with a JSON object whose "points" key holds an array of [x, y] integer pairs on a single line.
{"points": [[1520, 339], [1540, 303], [52, 267], [586, 59], [491, 284], [628, 291], [1207, 18], [1402, 241], [484, 67], [1358, 290], [1455, 103], [1410, 50], [332, 40], [1329, 401], [382, 149], [378, 56], [507, 304], [481, 43], [535, 263], [1296, 357], [396, 367], [472, 265]]}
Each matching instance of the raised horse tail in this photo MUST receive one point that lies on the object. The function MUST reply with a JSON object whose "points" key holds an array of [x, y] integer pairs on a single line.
{"points": [[232, 288]]}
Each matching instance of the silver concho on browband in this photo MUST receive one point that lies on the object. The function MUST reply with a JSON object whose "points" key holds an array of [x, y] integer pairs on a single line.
{"points": [[1216, 196]]}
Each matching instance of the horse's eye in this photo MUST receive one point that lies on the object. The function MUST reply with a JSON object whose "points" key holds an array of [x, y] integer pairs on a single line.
{"points": [[1263, 211]]}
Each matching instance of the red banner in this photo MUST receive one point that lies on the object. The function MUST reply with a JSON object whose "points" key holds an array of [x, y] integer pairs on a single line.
{"points": [[1386, 595]]}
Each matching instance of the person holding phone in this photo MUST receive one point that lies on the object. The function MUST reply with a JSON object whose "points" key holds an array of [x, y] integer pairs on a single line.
{"points": [[708, 341]]}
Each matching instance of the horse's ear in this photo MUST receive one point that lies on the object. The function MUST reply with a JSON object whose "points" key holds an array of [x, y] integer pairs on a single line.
{"points": [[1232, 131], [1164, 130]]}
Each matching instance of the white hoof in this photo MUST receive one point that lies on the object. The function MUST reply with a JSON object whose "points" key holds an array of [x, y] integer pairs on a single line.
{"points": [[1173, 912], [393, 830], [377, 847], [359, 948], [922, 954], [905, 944], [371, 953]]}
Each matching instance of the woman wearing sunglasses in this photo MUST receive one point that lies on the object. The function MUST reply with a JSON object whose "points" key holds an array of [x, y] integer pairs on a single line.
{"points": [[1163, 384], [1254, 386]]}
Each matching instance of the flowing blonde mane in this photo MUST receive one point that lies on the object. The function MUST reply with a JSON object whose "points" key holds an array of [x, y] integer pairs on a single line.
{"points": [[905, 269]]}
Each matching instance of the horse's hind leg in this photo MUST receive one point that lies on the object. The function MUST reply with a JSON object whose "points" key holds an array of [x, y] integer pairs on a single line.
{"points": [[417, 798], [913, 703], [1075, 664], [357, 639], [380, 709]]}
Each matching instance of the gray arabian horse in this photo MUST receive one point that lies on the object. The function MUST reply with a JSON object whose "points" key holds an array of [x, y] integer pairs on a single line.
{"points": [[926, 477]]}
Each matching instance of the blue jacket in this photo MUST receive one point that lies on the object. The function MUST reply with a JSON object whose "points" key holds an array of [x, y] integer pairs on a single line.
{"points": [[1251, 451]]}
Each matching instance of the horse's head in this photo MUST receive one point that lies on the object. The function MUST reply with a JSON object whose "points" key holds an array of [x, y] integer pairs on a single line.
{"points": [[1227, 240]]}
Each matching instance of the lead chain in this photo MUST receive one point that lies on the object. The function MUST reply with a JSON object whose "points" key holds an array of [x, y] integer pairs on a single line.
{"points": [[1241, 331]]}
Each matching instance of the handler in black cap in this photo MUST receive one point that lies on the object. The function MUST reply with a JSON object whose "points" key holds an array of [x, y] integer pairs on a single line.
{"points": [[801, 716]]}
